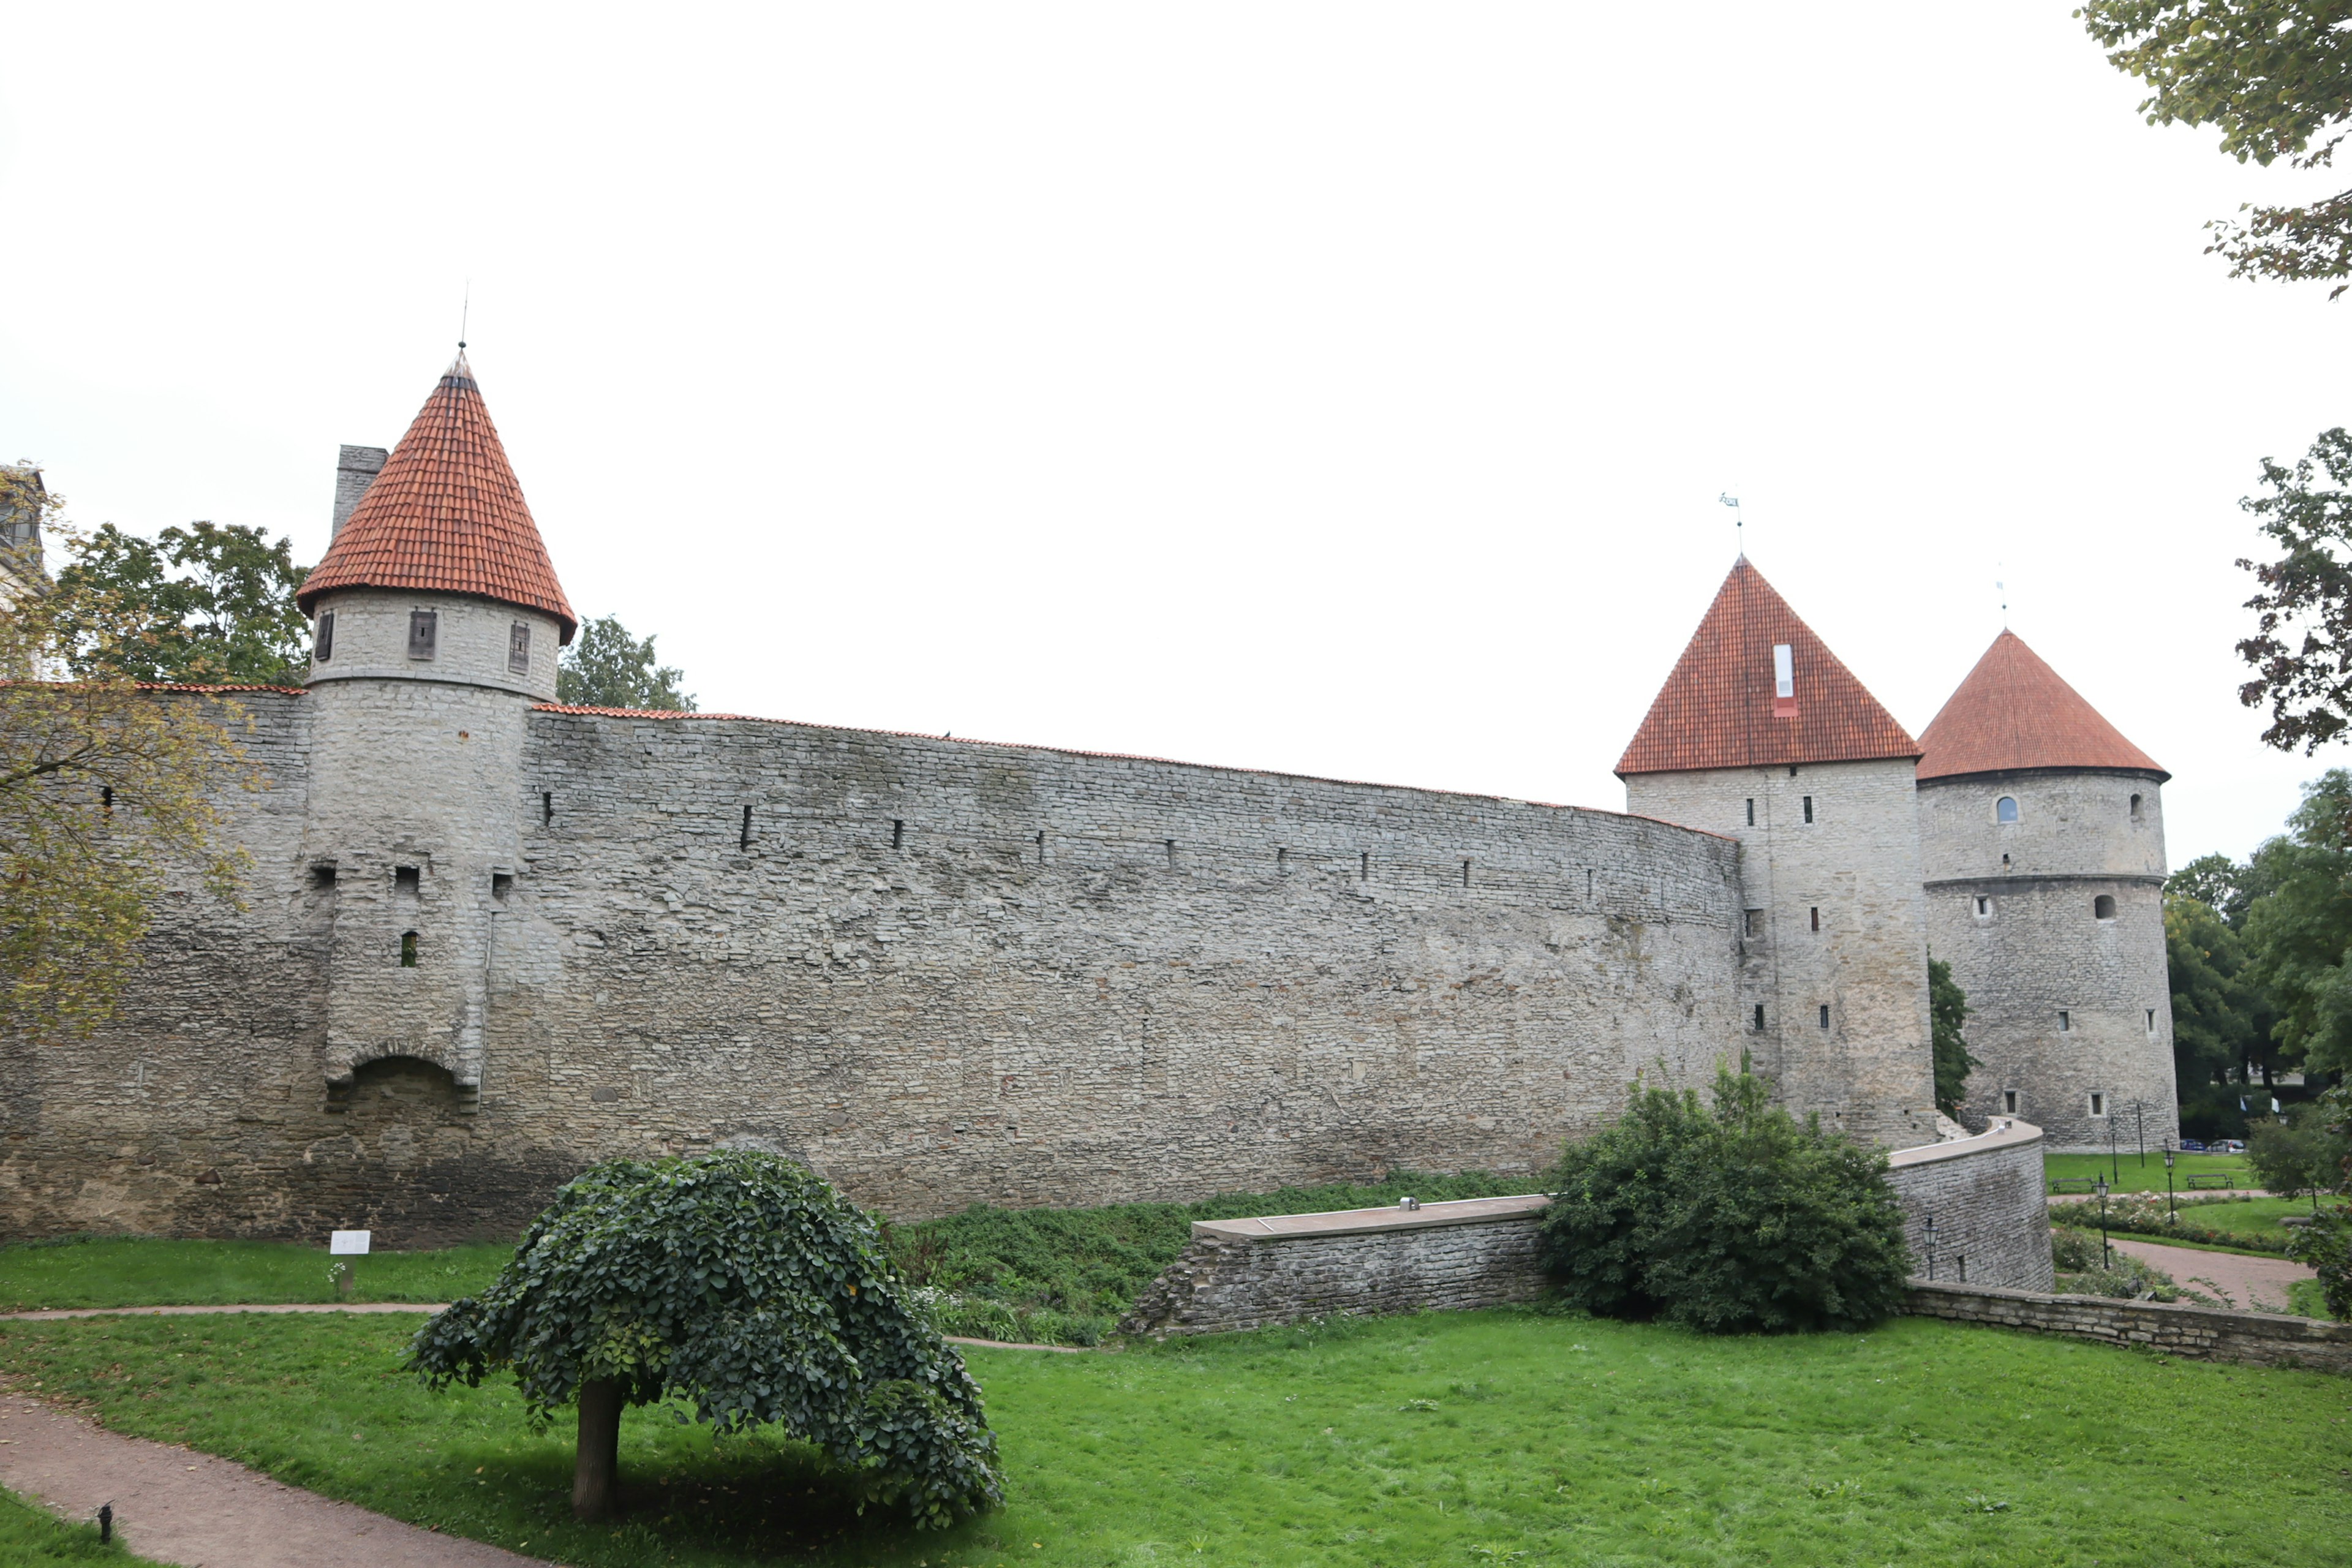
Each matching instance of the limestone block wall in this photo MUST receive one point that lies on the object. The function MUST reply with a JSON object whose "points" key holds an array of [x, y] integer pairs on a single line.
{"points": [[1834, 919], [1985, 1196], [2205, 1333], [942, 972], [2064, 1004], [1236, 1275]]}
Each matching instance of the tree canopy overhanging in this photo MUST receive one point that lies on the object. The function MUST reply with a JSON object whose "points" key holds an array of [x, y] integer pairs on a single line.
{"points": [[744, 1285]]}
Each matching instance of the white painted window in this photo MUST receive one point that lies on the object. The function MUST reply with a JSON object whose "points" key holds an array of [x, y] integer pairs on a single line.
{"points": [[1984, 908], [2065, 1022], [1784, 671], [2098, 1104], [2005, 809]]}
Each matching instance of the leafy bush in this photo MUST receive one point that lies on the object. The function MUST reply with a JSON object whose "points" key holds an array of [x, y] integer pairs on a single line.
{"points": [[746, 1286], [2304, 1155], [2326, 1245], [1737, 1219], [2084, 1269], [1066, 1276]]}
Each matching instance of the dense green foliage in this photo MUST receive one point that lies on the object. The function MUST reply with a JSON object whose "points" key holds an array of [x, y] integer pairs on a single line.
{"points": [[1730, 1220], [606, 667], [2275, 77], [2219, 1018], [216, 605], [2299, 933], [1948, 1010], [2300, 1155], [2301, 652], [1066, 1276], [1548, 1440], [743, 1286], [2326, 1245], [2087, 1268], [31, 1537]]}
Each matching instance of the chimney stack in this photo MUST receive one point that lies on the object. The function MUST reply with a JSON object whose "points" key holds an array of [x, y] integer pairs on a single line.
{"points": [[356, 469]]}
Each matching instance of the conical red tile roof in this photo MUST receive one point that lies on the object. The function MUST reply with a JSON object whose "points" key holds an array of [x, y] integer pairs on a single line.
{"points": [[446, 516], [1721, 707], [2013, 711]]}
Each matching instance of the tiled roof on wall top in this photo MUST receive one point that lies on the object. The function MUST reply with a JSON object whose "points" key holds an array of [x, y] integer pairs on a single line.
{"points": [[446, 516], [1723, 707], [2014, 712]]}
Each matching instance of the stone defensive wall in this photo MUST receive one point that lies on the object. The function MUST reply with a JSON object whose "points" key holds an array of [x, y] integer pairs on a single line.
{"points": [[1983, 1193], [942, 972], [2203, 1333]]}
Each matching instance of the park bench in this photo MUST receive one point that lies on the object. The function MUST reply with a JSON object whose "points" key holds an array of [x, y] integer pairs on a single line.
{"points": [[2073, 1184], [2212, 1179]]}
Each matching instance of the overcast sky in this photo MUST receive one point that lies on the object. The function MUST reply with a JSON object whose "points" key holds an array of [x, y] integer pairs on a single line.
{"points": [[1343, 389]]}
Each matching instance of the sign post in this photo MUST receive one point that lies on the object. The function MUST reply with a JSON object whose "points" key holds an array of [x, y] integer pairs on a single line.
{"points": [[345, 1244]]}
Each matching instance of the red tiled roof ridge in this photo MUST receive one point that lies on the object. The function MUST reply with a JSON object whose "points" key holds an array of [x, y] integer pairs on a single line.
{"points": [[1719, 710], [446, 516], [667, 713], [2012, 712]]}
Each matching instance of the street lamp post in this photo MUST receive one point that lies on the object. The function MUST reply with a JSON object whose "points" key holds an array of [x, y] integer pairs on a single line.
{"points": [[2139, 1122], [2106, 1249], [2171, 1211], [2114, 1160]]}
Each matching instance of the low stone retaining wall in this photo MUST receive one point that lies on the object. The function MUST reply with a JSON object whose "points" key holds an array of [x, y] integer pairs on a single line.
{"points": [[1984, 1195], [2207, 1333], [1241, 1274]]}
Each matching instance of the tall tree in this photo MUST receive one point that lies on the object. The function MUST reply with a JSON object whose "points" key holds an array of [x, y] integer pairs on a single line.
{"points": [[2301, 647], [2275, 77], [107, 802], [2219, 1018], [1947, 1009], [606, 667], [207, 604], [2299, 934]]}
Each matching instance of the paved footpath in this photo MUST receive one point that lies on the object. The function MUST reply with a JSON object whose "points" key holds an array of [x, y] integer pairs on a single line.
{"points": [[180, 1506], [2254, 1284]]}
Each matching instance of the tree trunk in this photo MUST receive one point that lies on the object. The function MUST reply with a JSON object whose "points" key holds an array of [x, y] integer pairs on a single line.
{"points": [[595, 1469]]}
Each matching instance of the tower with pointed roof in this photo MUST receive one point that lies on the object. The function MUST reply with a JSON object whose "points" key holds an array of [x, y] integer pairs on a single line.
{"points": [[437, 617], [1762, 735], [2041, 830]]}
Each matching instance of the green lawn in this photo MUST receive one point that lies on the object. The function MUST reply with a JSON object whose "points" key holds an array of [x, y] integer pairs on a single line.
{"points": [[31, 1536], [2134, 1177], [1459, 1438], [145, 1272]]}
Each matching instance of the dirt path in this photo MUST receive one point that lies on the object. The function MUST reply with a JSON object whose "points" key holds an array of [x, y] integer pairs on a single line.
{"points": [[2254, 1284], [177, 1506]]}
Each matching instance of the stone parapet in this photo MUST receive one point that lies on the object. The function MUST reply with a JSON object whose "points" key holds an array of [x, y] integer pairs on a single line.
{"points": [[2206, 1333]]}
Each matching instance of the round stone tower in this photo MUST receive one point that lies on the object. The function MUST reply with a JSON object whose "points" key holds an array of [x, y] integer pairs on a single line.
{"points": [[2042, 837], [436, 621]]}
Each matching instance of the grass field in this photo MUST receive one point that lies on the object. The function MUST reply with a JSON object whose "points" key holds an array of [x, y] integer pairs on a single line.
{"points": [[145, 1272], [2134, 1177], [1462, 1438], [32, 1537]]}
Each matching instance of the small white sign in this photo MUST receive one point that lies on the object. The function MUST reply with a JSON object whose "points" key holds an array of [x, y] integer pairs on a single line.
{"points": [[348, 1243]]}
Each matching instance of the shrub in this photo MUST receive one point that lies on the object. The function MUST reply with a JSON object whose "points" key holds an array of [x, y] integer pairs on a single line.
{"points": [[1737, 1219], [2304, 1155], [743, 1284], [2086, 1269], [2326, 1245]]}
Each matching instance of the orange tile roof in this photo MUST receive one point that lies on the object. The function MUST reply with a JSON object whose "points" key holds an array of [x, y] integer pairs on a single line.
{"points": [[1720, 708], [446, 516], [2013, 711]]}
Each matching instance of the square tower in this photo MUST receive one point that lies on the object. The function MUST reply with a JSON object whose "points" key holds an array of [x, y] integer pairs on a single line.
{"points": [[1761, 735]]}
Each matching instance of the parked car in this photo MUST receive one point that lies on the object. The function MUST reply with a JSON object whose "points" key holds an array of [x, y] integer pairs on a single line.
{"points": [[2226, 1146], [2192, 1146]]}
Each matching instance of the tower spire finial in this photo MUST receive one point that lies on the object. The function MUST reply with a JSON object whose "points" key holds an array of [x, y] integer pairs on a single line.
{"points": [[1739, 520], [2000, 586], [464, 314]]}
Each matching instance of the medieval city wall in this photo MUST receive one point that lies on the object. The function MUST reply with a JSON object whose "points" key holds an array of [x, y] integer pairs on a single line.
{"points": [[942, 972]]}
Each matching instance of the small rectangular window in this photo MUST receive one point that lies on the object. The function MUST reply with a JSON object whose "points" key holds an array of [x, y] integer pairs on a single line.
{"points": [[1784, 671], [546, 806], [502, 884], [408, 950], [1282, 862], [2065, 1022], [1808, 809], [1760, 1017], [424, 632], [744, 840], [406, 879], [2099, 1105], [1171, 851], [1825, 1014], [1756, 922], [323, 877], [1817, 918], [897, 832], [518, 647], [1984, 908], [1751, 811], [1364, 867], [322, 647], [2151, 1020], [1465, 873], [2008, 1102]]}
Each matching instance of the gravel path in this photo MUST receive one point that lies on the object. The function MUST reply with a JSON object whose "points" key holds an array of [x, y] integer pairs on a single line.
{"points": [[2255, 1284], [178, 1506]]}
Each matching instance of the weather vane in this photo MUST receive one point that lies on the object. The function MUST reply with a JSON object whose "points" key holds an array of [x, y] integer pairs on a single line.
{"points": [[1738, 520], [465, 313]]}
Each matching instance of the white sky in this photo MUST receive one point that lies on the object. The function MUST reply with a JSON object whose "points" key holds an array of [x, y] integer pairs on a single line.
{"points": [[1344, 389]]}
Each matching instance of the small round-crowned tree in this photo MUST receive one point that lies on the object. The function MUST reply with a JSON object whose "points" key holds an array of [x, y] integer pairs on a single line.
{"points": [[1734, 1220], [742, 1283]]}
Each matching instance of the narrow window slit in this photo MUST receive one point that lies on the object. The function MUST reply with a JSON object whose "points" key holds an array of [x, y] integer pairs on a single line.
{"points": [[1808, 809], [546, 807], [1465, 873], [1171, 851], [744, 841], [1817, 916], [897, 832], [408, 950]]}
